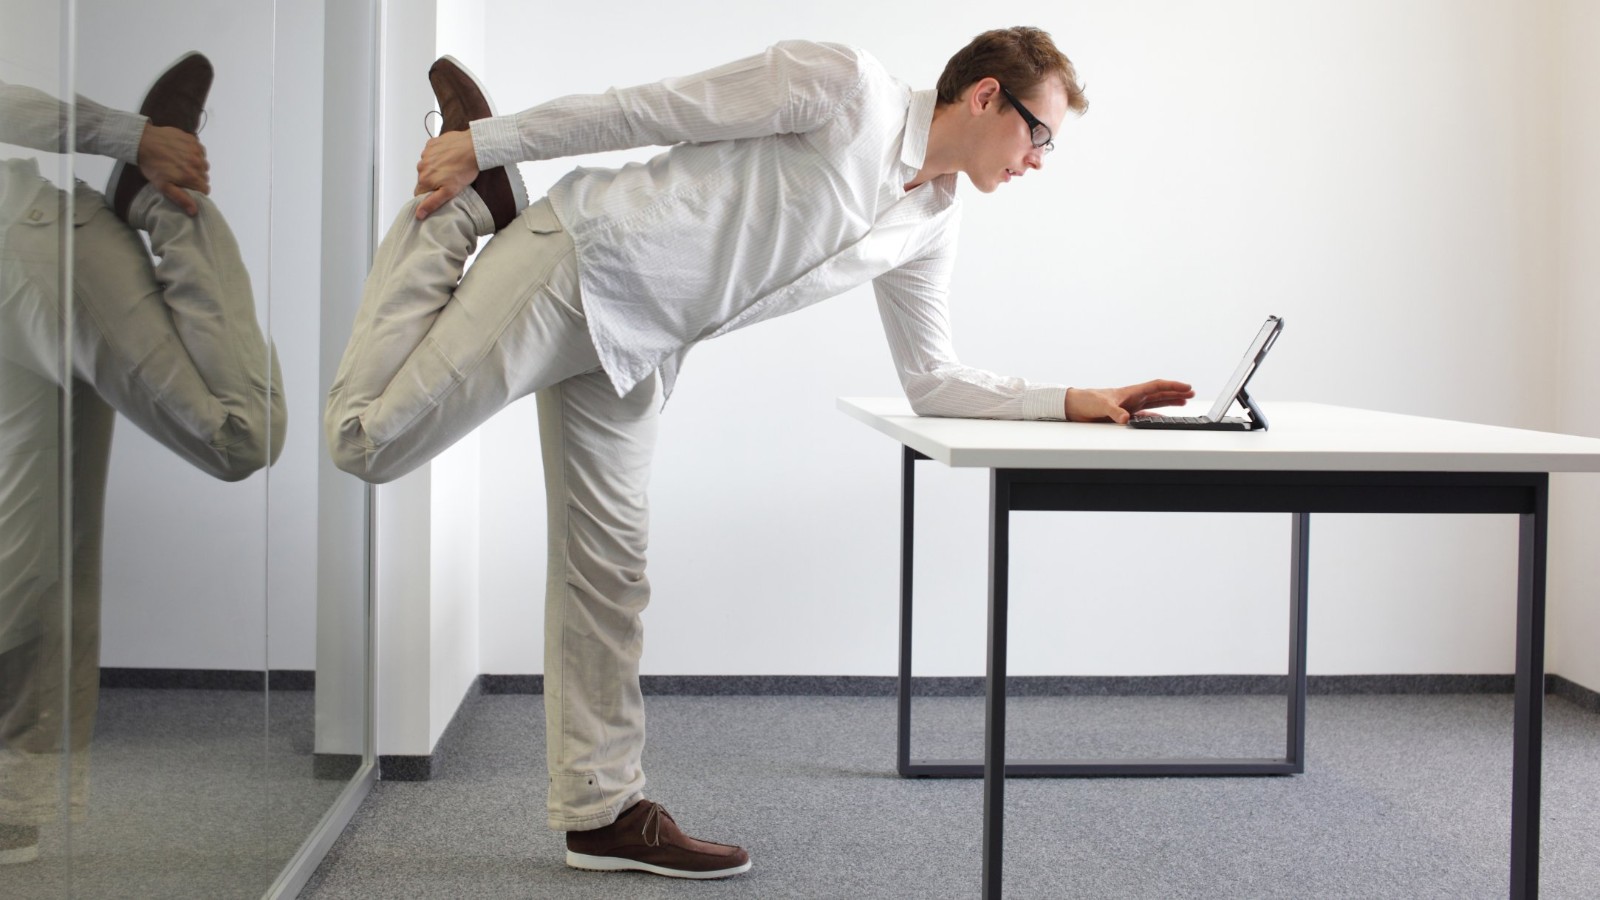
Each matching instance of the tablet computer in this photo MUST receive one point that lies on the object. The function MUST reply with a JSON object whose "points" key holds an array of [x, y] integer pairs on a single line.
{"points": [[1217, 419]]}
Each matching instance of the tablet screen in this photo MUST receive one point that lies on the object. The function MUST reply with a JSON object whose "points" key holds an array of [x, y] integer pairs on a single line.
{"points": [[1258, 348]]}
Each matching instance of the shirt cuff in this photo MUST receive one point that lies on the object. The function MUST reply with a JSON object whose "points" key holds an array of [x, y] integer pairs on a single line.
{"points": [[1045, 403], [495, 142]]}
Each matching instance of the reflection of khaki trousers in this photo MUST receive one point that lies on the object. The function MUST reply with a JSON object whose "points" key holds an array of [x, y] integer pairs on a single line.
{"points": [[50, 675], [174, 347], [429, 360]]}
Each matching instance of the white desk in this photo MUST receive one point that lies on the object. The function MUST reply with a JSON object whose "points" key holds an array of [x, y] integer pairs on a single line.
{"points": [[1314, 458]]}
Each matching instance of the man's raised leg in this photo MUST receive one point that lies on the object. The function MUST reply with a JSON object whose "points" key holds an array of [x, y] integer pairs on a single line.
{"points": [[177, 348], [430, 360], [406, 352]]}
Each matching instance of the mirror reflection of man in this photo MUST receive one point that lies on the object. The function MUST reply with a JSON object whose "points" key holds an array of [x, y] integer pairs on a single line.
{"points": [[792, 176], [172, 343]]}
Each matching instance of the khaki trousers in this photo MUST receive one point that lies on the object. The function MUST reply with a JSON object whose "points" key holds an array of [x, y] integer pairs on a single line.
{"points": [[433, 355], [174, 346]]}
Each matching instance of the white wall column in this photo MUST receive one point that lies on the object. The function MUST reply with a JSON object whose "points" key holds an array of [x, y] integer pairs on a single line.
{"points": [[427, 547], [403, 531], [1574, 586], [349, 61]]}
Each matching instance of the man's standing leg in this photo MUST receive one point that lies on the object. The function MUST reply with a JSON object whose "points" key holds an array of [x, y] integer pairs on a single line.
{"points": [[597, 450]]}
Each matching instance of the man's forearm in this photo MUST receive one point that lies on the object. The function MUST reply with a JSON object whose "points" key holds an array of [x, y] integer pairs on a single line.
{"points": [[968, 393], [32, 118]]}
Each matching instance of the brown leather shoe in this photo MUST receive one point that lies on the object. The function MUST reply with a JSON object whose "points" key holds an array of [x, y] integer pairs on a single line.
{"points": [[176, 100], [646, 839], [462, 101]]}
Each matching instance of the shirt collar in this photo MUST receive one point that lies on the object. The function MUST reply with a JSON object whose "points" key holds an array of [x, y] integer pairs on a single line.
{"points": [[914, 147], [919, 119]]}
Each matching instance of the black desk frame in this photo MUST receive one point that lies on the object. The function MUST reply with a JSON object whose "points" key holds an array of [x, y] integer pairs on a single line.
{"points": [[1299, 493]]}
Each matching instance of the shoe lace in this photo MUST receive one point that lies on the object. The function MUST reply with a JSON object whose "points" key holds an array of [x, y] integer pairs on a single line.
{"points": [[652, 825], [428, 125]]}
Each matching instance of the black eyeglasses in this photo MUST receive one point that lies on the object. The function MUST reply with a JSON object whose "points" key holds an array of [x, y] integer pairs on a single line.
{"points": [[1042, 138]]}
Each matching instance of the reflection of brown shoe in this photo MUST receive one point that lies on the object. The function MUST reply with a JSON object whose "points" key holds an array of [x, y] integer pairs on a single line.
{"points": [[646, 839], [18, 844], [462, 101], [176, 100]]}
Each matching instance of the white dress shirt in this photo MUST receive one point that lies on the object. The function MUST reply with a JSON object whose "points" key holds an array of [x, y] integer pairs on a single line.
{"points": [[784, 185]]}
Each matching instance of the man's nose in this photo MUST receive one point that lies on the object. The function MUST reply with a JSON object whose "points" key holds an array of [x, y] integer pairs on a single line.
{"points": [[1034, 159]]}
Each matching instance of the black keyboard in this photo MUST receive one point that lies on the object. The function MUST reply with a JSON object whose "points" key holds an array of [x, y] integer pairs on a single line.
{"points": [[1230, 423]]}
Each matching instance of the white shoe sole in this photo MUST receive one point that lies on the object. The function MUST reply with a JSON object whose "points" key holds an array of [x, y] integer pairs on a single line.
{"points": [[617, 864]]}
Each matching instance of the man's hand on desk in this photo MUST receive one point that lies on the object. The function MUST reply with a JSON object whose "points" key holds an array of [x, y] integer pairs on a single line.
{"points": [[1119, 404]]}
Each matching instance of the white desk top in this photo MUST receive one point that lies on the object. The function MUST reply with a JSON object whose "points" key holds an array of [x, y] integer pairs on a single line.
{"points": [[1302, 437]]}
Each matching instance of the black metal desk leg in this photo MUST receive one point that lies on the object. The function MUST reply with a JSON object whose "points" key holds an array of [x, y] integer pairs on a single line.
{"points": [[1299, 558], [1528, 727], [994, 745], [908, 499]]}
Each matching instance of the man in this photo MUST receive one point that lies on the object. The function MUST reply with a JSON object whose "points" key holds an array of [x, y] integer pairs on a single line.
{"points": [[793, 176]]}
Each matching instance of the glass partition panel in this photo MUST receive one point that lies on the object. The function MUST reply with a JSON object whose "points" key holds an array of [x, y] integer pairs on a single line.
{"points": [[171, 278], [47, 635], [185, 672]]}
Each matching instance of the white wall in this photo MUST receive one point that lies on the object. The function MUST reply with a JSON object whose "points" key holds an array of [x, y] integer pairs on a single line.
{"points": [[1575, 569], [33, 53], [1377, 173]]}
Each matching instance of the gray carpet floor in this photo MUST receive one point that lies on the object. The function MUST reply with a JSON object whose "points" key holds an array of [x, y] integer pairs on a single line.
{"points": [[1404, 797]]}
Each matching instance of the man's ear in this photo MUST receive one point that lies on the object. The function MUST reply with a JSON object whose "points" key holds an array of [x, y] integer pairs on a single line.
{"points": [[984, 93]]}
